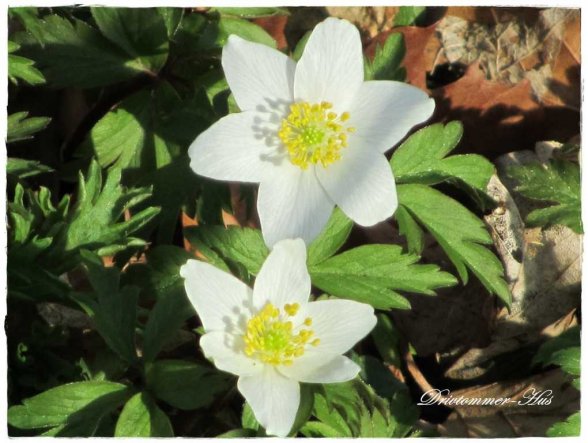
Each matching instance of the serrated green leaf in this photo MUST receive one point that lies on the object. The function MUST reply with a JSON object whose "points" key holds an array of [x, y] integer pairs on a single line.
{"points": [[21, 127], [373, 273], [252, 12], [464, 246], [568, 428], [93, 219], [44, 240], [148, 130], [563, 350], [141, 417], [557, 181], [29, 18], [409, 15], [240, 245], [422, 159], [114, 311], [386, 64], [350, 409], [140, 32], [331, 238], [185, 385], [22, 168], [409, 228], [22, 68], [72, 53], [80, 404]]}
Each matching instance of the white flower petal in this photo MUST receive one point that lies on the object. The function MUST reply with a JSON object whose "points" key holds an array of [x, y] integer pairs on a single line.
{"points": [[292, 204], [258, 76], [225, 351], [331, 66], [316, 367], [273, 398], [339, 324], [361, 184], [232, 148], [384, 111], [283, 277], [218, 297]]}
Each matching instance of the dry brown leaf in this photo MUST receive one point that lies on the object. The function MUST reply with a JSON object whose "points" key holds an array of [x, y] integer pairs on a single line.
{"points": [[496, 118], [545, 50], [513, 419]]}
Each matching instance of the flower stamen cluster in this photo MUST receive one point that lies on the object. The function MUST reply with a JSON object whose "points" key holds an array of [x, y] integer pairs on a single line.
{"points": [[312, 133], [271, 337]]}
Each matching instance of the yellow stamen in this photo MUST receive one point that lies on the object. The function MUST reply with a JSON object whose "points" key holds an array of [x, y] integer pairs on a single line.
{"points": [[313, 134], [272, 339]]}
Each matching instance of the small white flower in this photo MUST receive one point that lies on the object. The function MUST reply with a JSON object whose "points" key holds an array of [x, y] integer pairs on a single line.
{"points": [[312, 133], [272, 337]]}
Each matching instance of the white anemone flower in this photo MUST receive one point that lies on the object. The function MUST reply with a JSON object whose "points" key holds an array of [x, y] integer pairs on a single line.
{"points": [[312, 133], [271, 336]]}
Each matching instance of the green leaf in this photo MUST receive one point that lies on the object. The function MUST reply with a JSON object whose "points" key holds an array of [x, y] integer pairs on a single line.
{"points": [[238, 433], [253, 12], [422, 159], [299, 49], [172, 17], [373, 273], [568, 428], [409, 15], [239, 245], [115, 310], [140, 32], [248, 420], [557, 181], [92, 222], [174, 185], [80, 405], [304, 409], [163, 282], [407, 226], [22, 68], [148, 130], [72, 53], [217, 32], [29, 17], [160, 282], [386, 64], [141, 417], [464, 246], [44, 240], [20, 127], [387, 340], [563, 350], [350, 409], [22, 168], [185, 385], [331, 238]]}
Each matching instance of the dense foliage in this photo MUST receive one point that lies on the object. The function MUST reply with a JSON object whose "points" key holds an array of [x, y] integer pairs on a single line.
{"points": [[103, 104]]}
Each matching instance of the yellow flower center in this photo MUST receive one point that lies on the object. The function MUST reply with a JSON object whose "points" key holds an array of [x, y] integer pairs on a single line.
{"points": [[271, 338], [313, 134]]}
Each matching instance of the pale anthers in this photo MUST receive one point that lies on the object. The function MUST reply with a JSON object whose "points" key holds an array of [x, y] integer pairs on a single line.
{"points": [[272, 337], [313, 133]]}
